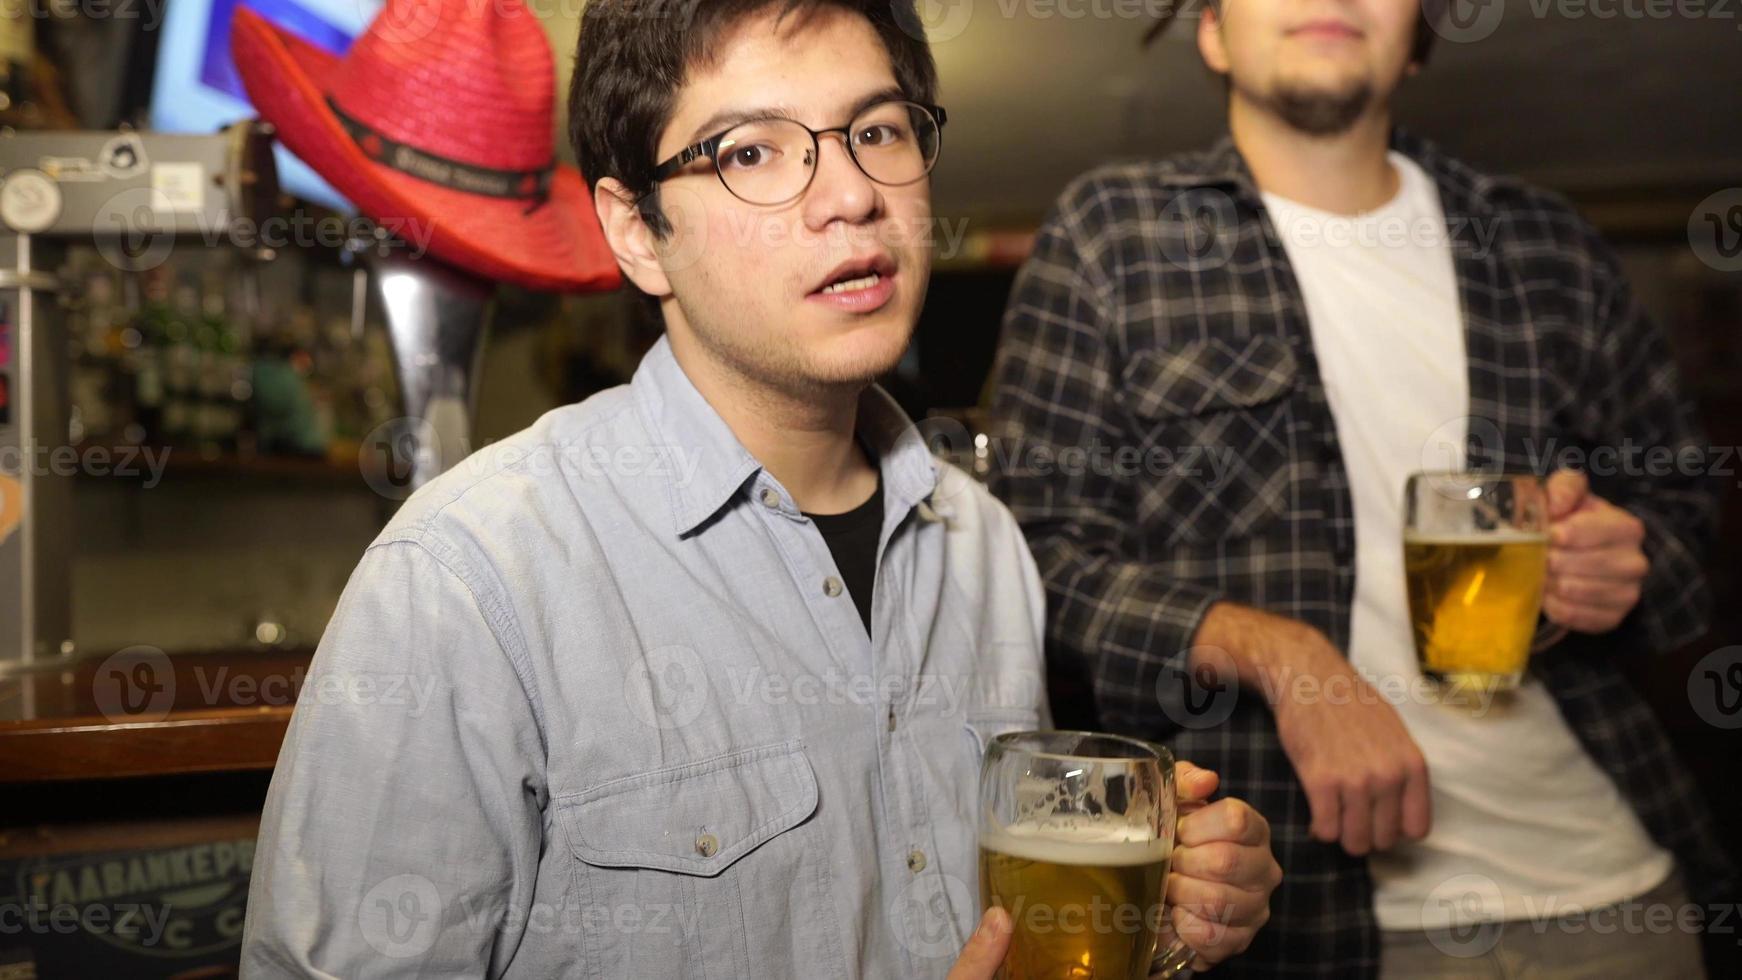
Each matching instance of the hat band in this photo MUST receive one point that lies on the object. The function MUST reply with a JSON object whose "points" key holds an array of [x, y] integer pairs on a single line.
{"points": [[529, 185]]}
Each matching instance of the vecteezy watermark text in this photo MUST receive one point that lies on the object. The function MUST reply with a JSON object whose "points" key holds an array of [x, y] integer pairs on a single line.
{"points": [[131, 231], [123, 461]]}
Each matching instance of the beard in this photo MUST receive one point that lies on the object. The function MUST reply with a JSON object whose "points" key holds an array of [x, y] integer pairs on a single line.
{"points": [[1318, 111], [770, 363]]}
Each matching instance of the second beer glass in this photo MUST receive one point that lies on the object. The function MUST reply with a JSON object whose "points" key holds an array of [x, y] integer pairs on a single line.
{"points": [[1475, 555]]}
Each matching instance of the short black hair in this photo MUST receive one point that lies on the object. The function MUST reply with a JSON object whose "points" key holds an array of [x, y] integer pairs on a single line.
{"points": [[633, 56]]}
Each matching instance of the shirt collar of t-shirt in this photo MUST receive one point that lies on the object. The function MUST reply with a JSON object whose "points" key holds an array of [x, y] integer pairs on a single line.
{"points": [[1411, 217], [852, 538]]}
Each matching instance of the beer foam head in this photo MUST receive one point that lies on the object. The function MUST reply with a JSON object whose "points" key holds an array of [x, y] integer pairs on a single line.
{"points": [[1088, 843], [1509, 535]]}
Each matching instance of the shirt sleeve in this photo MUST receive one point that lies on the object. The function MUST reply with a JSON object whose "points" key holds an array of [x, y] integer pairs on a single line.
{"points": [[1643, 409], [403, 826], [1110, 614]]}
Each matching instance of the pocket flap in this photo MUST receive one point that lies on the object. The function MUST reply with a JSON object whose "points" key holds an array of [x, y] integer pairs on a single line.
{"points": [[986, 724], [1207, 375], [693, 819]]}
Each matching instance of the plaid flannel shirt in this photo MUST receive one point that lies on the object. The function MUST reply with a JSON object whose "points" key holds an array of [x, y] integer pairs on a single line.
{"points": [[1166, 443]]}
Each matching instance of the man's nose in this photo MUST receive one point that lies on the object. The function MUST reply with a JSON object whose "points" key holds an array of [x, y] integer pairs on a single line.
{"points": [[840, 191]]}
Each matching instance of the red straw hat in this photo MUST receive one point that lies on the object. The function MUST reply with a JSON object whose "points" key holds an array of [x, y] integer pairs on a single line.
{"points": [[441, 115]]}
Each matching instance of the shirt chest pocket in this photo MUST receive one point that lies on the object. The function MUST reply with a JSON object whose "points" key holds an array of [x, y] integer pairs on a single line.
{"points": [[703, 870], [1212, 426], [982, 725]]}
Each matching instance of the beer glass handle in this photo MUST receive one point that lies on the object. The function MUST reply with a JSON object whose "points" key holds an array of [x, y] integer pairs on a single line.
{"points": [[1172, 962], [1547, 635]]}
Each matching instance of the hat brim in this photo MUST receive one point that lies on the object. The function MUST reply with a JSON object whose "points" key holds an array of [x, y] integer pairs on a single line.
{"points": [[557, 246]]}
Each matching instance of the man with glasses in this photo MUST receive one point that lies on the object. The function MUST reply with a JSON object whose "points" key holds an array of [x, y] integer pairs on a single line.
{"points": [[714, 655], [1268, 338]]}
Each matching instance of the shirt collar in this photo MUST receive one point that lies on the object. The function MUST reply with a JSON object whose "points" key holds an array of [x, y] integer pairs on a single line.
{"points": [[910, 472], [678, 416], [1462, 190]]}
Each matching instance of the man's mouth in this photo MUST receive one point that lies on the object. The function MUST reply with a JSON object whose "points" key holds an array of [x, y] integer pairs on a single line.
{"points": [[1326, 28], [863, 282], [859, 285]]}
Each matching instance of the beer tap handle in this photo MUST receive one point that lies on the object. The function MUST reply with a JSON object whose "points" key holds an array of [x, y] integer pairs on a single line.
{"points": [[437, 317]]}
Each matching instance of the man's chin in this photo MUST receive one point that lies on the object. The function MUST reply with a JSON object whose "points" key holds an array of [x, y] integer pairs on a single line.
{"points": [[858, 353], [1322, 109]]}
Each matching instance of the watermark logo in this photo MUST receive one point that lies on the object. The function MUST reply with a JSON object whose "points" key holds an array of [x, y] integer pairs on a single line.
{"points": [[935, 21], [128, 230], [1463, 444], [401, 917], [395, 451], [1464, 906], [39, 459], [923, 915], [137, 229], [1715, 688], [400, 23], [1715, 230], [668, 688], [134, 685], [1467, 21], [1198, 692], [687, 214], [1198, 231]]}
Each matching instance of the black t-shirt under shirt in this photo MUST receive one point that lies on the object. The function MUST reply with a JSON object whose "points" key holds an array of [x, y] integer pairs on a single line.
{"points": [[852, 540]]}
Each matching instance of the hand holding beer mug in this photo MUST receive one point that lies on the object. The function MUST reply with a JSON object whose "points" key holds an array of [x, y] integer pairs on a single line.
{"points": [[1076, 835], [1475, 556]]}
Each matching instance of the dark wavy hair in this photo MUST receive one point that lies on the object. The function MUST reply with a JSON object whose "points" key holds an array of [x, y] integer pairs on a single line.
{"points": [[633, 56]]}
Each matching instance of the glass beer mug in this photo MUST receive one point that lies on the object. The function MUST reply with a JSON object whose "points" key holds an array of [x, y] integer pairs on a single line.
{"points": [[1475, 557], [1076, 835]]}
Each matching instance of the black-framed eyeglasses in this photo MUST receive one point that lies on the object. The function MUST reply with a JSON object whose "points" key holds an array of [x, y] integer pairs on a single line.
{"points": [[772, 161]]}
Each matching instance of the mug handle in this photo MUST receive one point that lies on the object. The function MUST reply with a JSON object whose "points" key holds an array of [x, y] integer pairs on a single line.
{"points": [[1172, 961], [1547, 635]]}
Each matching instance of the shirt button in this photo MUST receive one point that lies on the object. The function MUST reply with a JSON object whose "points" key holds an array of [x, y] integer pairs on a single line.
{"points": [[770, 498], [832, 586], [707, 845], [916, 861]]}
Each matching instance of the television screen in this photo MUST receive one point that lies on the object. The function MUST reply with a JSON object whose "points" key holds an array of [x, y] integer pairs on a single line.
{"points": [[197, 89]]}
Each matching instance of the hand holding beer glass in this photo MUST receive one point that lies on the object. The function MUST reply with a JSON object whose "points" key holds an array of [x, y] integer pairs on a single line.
{"points": [[1475, 557], [1076, 835]]}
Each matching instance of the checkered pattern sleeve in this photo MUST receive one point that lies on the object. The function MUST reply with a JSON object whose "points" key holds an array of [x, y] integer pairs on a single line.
{"points": [[1055, 401], [1637, 394]]}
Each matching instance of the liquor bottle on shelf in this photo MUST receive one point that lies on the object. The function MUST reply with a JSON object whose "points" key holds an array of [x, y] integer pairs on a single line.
{"points": [[31, 87], [221, 371], [202, 407], [182, 358], [100, 408], [241, 318], [146, 355]]}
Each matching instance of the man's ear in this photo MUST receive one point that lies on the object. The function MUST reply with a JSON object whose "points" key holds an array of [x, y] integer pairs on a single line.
{"points": [[1210, 45], [630, 238]]}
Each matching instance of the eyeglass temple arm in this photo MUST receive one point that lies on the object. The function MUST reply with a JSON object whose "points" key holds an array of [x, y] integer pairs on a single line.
{"points": [[689, 155]]}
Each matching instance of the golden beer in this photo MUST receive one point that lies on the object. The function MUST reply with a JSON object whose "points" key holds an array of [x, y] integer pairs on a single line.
{"points": [[1473, 603], [1087, 908]]}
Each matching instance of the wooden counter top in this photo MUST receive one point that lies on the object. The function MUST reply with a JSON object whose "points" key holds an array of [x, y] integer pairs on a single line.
{"points": [[146, 713]]}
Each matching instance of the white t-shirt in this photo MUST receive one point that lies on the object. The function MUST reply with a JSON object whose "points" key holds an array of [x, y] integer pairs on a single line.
{"points": [[1523, 820]]}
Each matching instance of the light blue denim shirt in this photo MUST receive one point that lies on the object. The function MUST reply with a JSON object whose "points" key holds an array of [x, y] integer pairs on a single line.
{"points": [[595, 704]]}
